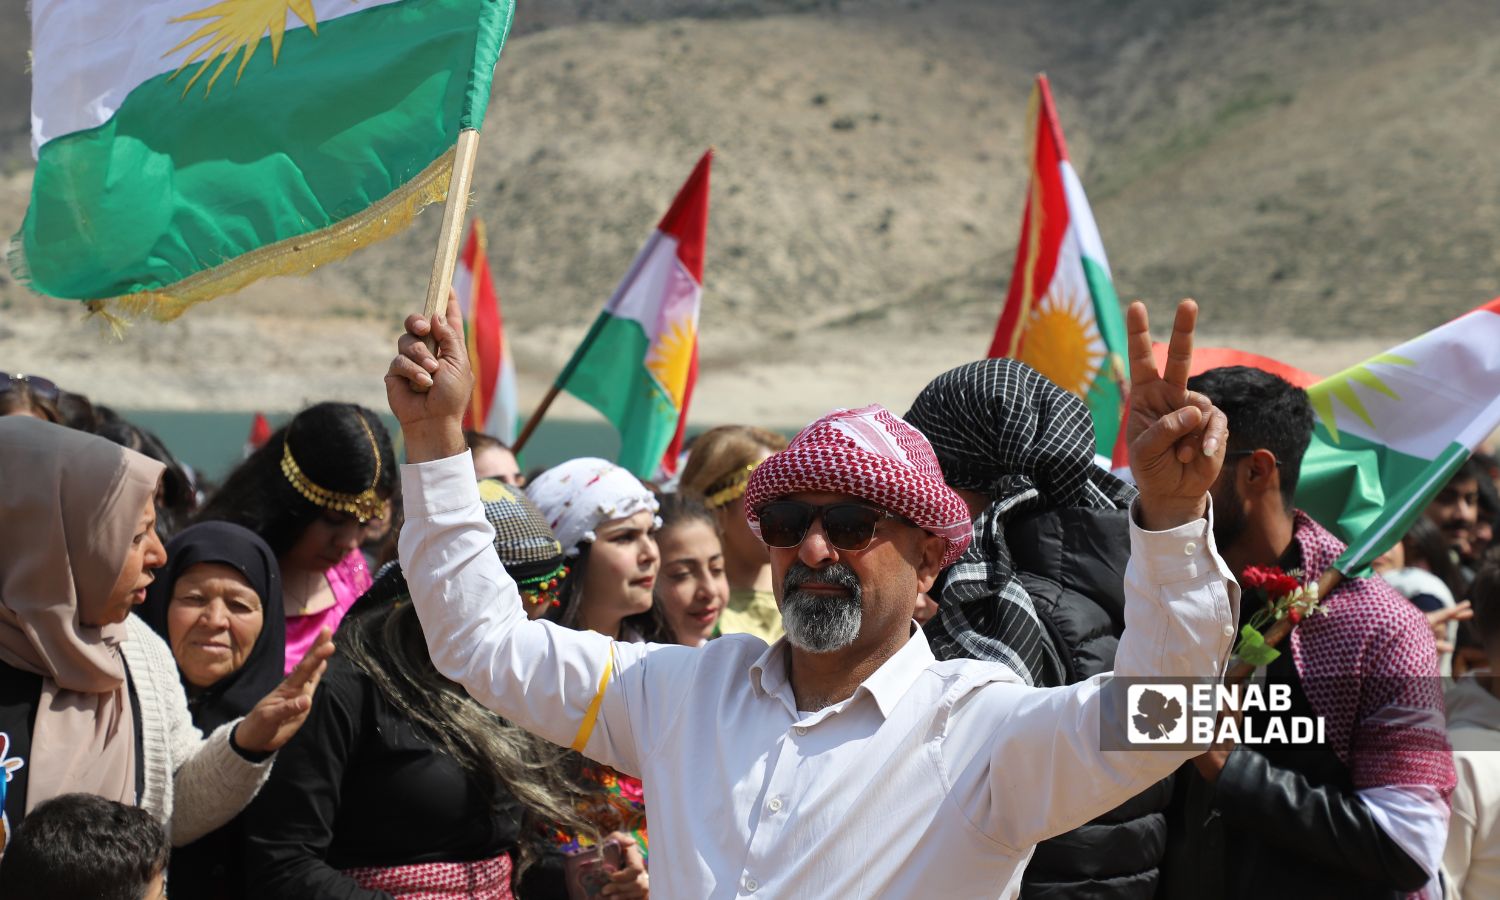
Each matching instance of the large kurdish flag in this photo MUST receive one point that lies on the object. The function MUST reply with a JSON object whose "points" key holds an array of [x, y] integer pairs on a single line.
{"points": [[180, 158], [1392, 431], [1061, 314], [639, 362]]}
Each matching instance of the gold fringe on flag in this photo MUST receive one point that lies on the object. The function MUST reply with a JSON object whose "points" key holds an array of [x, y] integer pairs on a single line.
{"points": [[293, 256]]}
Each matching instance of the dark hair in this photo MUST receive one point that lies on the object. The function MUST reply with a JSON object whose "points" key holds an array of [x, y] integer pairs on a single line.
{"points": [[1484, 594], [1425, 542], [478, 440], [83, 847], [676, 509], [570, 592], [330, 447], [77, 411], [179, 497], [390, 648], [19, 397], [1266, 412]]}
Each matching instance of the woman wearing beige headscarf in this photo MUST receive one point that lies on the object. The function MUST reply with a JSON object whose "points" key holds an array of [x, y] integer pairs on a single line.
{"points": [[90, 698]]}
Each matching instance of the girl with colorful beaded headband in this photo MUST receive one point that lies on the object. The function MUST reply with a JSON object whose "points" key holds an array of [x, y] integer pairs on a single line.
{"points": [[309, 492]]}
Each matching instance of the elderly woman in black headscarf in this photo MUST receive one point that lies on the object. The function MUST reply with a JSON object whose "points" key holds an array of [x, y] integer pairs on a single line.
{"points": [[1040, 588], [217, 604]]}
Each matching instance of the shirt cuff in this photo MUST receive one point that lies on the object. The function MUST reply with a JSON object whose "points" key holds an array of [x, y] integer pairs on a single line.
{"points": [[442, 485], [1184, 553]]}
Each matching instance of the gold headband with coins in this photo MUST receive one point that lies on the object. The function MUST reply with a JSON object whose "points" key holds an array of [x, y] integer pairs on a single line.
{"points": [[730, 488], [364, 506]]}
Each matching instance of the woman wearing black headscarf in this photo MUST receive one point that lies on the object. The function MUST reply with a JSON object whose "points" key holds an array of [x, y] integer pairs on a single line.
{"points": [[217, 604]]}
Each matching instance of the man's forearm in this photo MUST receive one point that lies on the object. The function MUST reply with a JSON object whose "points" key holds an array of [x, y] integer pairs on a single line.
{"points": [[438, 439]]}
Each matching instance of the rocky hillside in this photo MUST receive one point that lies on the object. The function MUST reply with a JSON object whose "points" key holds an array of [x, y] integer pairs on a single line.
{"points": [[1313, 171]]}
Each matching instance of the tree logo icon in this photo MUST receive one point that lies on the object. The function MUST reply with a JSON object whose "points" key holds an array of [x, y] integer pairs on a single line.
{"points": [[1157, 713]]}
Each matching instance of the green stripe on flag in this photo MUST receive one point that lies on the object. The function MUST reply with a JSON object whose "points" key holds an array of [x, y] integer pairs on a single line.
{"points": [[1401, 509], [174, 185], [1104, 399], [1367, 493], [611, 376]]}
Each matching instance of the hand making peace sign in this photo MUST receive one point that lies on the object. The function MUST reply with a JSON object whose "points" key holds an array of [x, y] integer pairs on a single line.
{"points": [[1176, 436]]}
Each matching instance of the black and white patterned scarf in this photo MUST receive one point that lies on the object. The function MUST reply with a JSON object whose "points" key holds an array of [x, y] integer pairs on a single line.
{"points": [[1002, 428]]}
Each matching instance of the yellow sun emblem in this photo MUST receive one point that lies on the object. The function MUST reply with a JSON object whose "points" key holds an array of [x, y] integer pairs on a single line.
{"points": [[670, 357], [1341, 387], [1063, 341], [237, 25]]}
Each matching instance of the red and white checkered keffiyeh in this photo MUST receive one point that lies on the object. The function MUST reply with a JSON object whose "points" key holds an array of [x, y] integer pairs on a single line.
{"points": [[485, 879], [872, 454]]}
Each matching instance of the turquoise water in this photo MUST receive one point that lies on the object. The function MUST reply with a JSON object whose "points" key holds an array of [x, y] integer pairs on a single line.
{"points": [[213, 442]]}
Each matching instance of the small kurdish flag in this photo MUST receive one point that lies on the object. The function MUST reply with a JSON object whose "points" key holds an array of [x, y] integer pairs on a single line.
{"points": [[1061, 315], [179, 159], [638, 363], [492, 406], [1392, 431]]}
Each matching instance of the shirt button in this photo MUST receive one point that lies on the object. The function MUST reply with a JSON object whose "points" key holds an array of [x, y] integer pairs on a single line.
{"points": [[1189, 548], [751, 885], [800, 730], [774, 805], [1228, 630]]}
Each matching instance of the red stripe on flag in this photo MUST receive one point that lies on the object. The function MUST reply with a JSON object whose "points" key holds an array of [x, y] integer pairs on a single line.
{"points": [[1042, 226], [674, 449], [687, 219], [484, 326]]}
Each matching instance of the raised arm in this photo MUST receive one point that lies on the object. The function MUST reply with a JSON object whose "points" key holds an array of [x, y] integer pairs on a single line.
{"points": [[575, 688], [1031, 763]]}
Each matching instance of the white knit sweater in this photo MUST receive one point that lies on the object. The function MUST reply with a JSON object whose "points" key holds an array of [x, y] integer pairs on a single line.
{"points": [[193, 784]]}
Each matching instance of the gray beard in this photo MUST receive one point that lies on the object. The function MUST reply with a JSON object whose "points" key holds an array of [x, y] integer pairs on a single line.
{"points": [[818, 623]]}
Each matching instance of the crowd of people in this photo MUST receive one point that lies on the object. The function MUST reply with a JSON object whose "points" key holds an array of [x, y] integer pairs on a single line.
{"points": [[869, 661]]}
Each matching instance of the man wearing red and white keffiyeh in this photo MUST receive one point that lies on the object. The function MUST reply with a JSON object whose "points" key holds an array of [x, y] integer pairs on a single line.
{"points": [[1365, 814]]}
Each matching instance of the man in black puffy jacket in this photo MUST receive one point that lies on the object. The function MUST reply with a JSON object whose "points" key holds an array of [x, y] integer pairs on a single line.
{"points": [[1040, 588]]}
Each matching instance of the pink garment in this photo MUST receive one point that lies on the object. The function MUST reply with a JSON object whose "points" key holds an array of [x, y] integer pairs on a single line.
{"points": [[485, 879], [349, 579]]}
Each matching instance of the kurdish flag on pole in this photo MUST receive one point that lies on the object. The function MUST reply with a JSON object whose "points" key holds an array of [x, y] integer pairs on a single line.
{"points": [[638, 363], [1061, 315], [492, 406], [1392, 431], [180, 156]]}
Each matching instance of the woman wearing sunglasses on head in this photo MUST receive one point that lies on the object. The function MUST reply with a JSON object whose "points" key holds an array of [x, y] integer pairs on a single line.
{"points": [[29, 395]]}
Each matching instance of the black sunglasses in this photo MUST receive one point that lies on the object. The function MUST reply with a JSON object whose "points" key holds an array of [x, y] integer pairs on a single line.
{"points": [[849, 526], [41, 387]]}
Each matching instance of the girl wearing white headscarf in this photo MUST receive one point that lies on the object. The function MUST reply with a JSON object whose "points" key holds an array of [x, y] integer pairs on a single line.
{"points": [[604, 518], [90, 699]]}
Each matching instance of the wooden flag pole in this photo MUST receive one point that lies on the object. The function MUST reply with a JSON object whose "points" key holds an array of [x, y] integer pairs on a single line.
{"points": [[452, 231], [536, 418], [557, 385], [1278, 632]]}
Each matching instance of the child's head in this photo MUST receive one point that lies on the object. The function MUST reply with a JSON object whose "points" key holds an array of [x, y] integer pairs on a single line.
{"points": [[79, 846]]}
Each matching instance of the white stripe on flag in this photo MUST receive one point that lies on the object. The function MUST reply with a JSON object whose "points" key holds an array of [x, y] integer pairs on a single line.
{"points": [[90, 54]]}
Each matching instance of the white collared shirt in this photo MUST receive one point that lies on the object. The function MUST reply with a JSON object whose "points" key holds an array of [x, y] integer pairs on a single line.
{"points": [[934, 779]]}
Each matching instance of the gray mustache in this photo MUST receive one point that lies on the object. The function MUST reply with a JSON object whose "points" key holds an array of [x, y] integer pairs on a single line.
{"points": [[839, 574]]}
